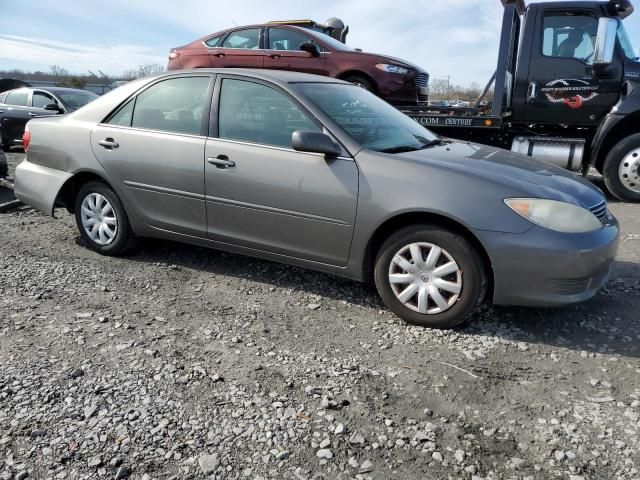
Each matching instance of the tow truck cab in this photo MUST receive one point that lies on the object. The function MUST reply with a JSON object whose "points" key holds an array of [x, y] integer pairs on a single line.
{"points": [[567, 91]]}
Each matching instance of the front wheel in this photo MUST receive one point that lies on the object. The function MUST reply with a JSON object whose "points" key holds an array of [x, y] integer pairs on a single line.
{"points": [[621, 170], [102, 220], [430, 276], [360, 81]]}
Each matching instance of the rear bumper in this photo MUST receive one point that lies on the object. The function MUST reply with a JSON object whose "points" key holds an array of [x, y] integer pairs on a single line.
{"points": [[542, 268], [38, 186]]}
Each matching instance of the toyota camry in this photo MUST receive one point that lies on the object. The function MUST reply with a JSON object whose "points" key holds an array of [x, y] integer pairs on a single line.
{"points": [[320, 173]]}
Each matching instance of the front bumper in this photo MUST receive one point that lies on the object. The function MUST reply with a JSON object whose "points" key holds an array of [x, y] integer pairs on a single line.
{"points": [[404, 89], [39, 186], [543, 268]]}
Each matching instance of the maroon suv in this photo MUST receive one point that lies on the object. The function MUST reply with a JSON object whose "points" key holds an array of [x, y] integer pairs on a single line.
{"points": [[286, 47]]}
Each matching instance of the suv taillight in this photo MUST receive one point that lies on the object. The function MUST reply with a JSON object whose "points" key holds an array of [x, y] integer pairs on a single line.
{"points": [[26, 138], [173, 55]]}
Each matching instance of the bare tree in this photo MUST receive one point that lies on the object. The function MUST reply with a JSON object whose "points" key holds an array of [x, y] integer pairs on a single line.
{"points": [[58, 71], [144, 71]]}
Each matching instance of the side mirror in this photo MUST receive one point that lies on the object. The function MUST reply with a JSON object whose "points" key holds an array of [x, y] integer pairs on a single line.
{"points": [[312, 48], [315, 142], [53, 107], [605, 44]]}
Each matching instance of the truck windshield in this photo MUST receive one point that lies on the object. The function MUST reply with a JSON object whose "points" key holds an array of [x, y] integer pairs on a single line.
{"points": [[625, 41], [370, 121]]}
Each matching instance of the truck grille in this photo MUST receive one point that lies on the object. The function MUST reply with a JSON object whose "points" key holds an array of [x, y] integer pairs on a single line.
{"points": [[422, 80], [599, 210]]}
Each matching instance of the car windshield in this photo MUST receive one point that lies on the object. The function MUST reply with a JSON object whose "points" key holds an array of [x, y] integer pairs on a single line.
{"points": [[369, 120], [625, 41], [75, 100], [331, 42]]}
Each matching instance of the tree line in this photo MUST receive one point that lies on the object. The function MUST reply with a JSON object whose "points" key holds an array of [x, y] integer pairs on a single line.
{"points": [[63, 78]]}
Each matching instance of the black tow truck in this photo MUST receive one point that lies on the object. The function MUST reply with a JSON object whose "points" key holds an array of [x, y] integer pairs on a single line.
{"points": [[566, 91]]}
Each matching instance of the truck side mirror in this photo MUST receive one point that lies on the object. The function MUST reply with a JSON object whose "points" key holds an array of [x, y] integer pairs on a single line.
{"points": [[605, 44]]}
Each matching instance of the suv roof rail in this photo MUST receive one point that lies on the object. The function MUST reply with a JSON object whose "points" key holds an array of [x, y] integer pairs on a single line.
{"points": [[520, 5]]}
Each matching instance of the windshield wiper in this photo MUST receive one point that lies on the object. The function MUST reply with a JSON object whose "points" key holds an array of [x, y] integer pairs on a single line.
{"points": [[433, 143], [400, 149]]}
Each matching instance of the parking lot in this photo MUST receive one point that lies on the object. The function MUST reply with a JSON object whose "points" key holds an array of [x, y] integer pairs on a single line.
{"points": [[178, 361]]}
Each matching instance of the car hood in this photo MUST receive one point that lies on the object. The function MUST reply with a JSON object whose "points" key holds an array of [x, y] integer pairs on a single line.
{"points": [[519, 174]]}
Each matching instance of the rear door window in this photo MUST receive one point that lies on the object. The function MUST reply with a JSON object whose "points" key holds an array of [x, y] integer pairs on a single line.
{"points": [[255, 113], [175, 105], [18, 99], [248, 39], [214, 42]]}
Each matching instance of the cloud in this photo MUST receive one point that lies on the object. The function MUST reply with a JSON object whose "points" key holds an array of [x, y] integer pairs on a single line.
{"points": [[77, 57]]}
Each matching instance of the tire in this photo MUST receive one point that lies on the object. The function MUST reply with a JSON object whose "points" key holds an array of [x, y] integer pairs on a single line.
{"points": [[361, 81], [117, 236], [4, 165], [469, 278], [621, 170], [4, 142]]}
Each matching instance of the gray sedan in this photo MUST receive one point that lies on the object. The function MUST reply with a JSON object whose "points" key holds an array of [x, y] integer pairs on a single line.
{"points": [[320, 173]]}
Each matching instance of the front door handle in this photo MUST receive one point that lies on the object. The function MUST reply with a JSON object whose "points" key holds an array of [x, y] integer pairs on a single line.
{"points": [[532, 92], [221, 161], [219, 55], [33, 114], [109, 143], [275, 55]]}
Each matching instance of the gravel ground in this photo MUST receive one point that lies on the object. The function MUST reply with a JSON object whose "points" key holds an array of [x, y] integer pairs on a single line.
{"points": [[183, 362]]}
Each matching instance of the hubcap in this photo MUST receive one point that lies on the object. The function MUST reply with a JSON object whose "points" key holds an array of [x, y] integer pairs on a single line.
{"points": [[629, 171], [425, 278], [99, 219]]}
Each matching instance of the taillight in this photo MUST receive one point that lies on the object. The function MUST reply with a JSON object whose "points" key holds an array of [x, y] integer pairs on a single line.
{"points": [[173, 55], [26, 138]]}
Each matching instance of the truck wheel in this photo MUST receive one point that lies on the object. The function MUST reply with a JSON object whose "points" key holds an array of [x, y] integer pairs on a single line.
{"points": [[360, 81], [430, 276], [621, 170], [102, 220]]}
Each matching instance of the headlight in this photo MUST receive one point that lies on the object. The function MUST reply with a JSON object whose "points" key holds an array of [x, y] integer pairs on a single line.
{"points": [[559, 216], [388, 67]]}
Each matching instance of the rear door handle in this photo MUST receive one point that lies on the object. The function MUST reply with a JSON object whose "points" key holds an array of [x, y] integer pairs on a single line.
{"points": [[109, 143], [219, 55], [33, 114], [275, 55], [221, 161]]}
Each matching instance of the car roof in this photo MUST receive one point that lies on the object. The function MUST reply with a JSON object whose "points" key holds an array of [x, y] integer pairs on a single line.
{"points": [[48, 89], [281, 77]]}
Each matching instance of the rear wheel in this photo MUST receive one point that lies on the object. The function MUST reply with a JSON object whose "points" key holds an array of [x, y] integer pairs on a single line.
{"points": [[360, 81], [621, 170], [102, 220], [430, 276]]}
